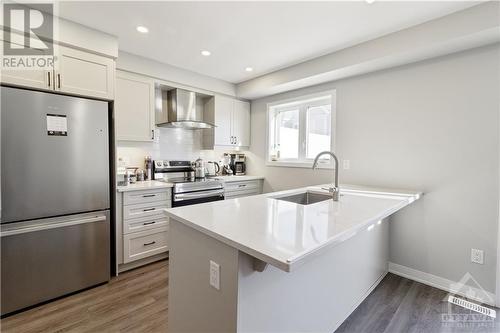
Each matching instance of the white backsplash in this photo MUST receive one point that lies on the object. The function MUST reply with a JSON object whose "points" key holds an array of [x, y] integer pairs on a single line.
{"points": [[171, 144]]}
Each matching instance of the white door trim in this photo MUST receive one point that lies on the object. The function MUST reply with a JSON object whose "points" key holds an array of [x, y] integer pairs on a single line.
{"points": [[497, 291]]}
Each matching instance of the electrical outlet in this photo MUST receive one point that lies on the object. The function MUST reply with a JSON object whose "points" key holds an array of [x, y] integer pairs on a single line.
{"points": [[346, 164], [477, 256], [214, 275]]}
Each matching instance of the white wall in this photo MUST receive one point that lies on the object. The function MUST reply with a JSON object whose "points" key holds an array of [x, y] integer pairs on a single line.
{"points": [[173, 76], [432, 126]]}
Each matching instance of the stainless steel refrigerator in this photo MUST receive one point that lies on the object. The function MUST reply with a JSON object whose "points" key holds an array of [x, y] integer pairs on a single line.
{"points": [[55, 196]]}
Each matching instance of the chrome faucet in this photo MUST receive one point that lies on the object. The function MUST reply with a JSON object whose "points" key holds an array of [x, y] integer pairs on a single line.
{"points": [[335, 189]]}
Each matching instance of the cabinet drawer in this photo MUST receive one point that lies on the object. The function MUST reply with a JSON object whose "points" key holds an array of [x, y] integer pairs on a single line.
{"points": [[240, 194], [243, 185], [145, 209], [136, 225], [139, 245], [138, 197]]}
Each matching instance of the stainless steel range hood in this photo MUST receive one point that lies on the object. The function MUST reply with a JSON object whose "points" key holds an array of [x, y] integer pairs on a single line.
{"points": [[180, 110]]}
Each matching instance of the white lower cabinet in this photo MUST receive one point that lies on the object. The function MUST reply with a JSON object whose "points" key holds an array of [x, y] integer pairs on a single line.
{"points": [[143, 225], [242, 188], [139, 245]]}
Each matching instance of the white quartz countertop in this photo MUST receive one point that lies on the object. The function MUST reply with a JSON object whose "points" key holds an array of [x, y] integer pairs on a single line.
{"points": [[286, 234], [230, 179], [144, 185]]}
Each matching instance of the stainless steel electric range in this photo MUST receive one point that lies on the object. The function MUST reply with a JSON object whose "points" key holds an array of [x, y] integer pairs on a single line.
{"points": [[187, 189]]}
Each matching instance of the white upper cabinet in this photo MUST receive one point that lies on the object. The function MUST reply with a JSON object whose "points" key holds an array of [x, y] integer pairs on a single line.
{"points": [[134, 107], [241, 123], [35, 78], [232, 120], [223, 121], [39, 79], [83, 73], [73, 72]]}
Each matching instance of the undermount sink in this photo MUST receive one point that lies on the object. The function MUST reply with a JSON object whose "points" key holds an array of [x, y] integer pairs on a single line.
{"points": [[306, 198]]}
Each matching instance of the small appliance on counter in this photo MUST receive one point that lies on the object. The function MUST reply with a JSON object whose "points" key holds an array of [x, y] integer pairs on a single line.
{"points": [[131, 175], [199, 168], [237, 164], [212, 168], [148, 163]]}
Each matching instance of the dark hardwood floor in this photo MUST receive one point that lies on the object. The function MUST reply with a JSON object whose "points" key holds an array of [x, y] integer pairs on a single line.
{"points": [[136, 301], [400, 305]]}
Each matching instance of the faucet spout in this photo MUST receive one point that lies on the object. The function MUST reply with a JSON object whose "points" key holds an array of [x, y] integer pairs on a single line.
{"points": [[335, 189]]}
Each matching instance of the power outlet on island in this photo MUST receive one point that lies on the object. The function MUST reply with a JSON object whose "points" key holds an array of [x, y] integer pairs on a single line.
{"points": [[477, 256], [346, 164], [214, 275]]}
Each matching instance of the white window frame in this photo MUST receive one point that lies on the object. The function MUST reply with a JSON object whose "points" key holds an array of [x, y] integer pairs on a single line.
{"points": [[290, 103]]}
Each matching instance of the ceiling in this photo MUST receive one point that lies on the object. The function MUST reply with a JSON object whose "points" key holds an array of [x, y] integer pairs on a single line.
{"points": [[266, 36]]}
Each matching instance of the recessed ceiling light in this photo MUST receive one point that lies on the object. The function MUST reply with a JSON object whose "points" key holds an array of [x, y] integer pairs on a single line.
{"points": [[142, 29], [205, 53], [249, 69], [370, 1]]}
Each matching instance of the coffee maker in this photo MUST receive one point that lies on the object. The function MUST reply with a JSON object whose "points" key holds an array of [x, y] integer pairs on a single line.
{"points": [[237, 164]]}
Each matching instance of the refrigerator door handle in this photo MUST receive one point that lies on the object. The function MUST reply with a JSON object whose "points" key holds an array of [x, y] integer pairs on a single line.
{"points": [[24, 230]]}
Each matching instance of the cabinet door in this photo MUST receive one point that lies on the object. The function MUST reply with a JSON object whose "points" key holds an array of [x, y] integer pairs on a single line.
{"points": [[223, 121], [134, 107], [85, 74], [241, 123], [32, 78]]}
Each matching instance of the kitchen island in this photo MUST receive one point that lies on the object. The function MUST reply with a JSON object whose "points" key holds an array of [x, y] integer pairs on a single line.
{"points": [[278, 262]]}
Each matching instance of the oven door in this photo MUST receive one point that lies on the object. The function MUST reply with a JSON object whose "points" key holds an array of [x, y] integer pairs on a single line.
{"points": [[191, 198]]}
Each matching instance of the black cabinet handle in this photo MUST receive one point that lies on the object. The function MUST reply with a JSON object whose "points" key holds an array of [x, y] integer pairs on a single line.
{"points": [[148, 209], [148, 223], [151, 243], [149, 195]]}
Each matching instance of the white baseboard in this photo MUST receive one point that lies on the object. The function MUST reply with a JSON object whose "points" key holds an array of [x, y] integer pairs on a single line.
{"points": [[439, 282]]}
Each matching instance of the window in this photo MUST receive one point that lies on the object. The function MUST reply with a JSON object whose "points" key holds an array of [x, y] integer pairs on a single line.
{"points": [[299, 129]]}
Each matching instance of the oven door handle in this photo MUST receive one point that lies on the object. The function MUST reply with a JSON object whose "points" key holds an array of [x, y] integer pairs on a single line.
{"points": [[197, 195]]}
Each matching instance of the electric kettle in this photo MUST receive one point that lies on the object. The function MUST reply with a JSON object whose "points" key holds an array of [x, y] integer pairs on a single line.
{"points": [[212, 168]]}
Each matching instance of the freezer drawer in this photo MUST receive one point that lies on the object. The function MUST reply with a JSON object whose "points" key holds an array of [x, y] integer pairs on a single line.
{"points": [[46, 259]]}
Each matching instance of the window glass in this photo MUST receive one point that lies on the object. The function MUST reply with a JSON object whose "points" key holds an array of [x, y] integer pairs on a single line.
{"points": [[299, 130], [319, 127], [287, 123]]}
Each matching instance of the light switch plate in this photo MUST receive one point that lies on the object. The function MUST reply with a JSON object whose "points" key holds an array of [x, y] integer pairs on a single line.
{"points": [[214, 275]]}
